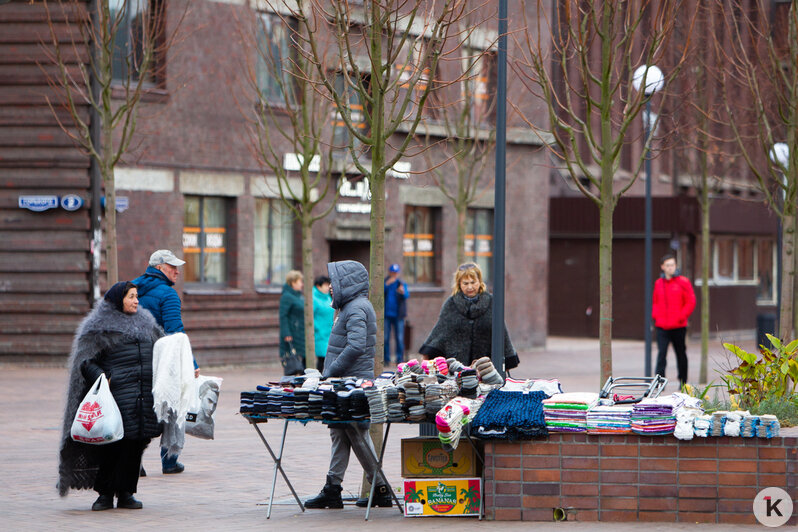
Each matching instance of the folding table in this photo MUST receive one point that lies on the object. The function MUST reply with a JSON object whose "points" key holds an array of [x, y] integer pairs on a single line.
{"points": [[255, 420]]}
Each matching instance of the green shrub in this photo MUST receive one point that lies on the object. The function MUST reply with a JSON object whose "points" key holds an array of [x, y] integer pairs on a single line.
{"points": [[771, 375]]}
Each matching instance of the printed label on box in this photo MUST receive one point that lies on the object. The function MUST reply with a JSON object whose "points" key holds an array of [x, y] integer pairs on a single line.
{"points": [[443, 496]]}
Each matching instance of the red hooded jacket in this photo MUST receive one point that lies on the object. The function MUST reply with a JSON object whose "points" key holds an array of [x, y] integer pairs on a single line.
{"points": [[674, 301]]}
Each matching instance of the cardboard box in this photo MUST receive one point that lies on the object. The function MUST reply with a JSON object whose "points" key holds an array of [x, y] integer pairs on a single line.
{"points": [[425, 457], [455, 497]]}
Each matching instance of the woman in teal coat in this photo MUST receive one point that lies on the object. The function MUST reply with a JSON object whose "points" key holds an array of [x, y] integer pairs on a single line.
{"points": [[292, 314], [323, 315]]}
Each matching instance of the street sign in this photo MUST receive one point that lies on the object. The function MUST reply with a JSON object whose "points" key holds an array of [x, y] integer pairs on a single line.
{"points": [[122, 203], [38, 203], [71, 202]]}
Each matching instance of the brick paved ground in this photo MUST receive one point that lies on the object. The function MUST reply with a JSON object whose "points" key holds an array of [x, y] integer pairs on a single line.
{"points": [[225, 484]]}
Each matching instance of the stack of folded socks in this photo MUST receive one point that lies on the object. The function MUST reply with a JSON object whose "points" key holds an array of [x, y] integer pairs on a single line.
{"points": [[567, 412], [487, 372], [274, 398], [329, 403], [414, 402], [315, 402], [343, 404], [468, 382], [359, 405], [395, 412], [378, 410], [733, 423], [433, 400], [247, 405], [716, 423], [455, 366], [301, 403], [748, 426], [654, 417], [768, 426], [287, 404], [608, 419], [450, 419], [701, 425]]}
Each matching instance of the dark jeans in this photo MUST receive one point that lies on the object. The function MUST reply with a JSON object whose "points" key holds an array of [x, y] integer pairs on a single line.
{"points": [[398, 325], [675, 337], [120, 463], [320, 364]]}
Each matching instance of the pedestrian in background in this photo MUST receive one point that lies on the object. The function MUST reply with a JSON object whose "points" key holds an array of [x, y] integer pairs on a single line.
{"points": [[465, 323], [158, 295], [350, 354], [116, 338], [323, 316], [672, 303], [292, 314], [396, 294]]}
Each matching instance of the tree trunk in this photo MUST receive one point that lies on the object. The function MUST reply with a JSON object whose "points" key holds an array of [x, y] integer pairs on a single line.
{"points": [[111, 268], [461, 232], [702, 374], [307, 271], [605, 289], [786, 327]]}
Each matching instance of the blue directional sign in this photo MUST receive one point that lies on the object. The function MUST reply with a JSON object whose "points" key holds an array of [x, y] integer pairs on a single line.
{"points": [[71, 202], [38, 203], [122, 203]]}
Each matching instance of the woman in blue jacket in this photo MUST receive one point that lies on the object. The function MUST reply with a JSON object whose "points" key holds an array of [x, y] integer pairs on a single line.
{"points": [[323, 315]]}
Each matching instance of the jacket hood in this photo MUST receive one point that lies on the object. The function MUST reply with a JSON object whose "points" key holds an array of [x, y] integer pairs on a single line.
{"points": [[349, 279], [152, 278]]}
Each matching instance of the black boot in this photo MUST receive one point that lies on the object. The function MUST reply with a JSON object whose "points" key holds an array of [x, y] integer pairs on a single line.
{"points": [[329, 497], [126, 500], [382, 499], [103, 502]]}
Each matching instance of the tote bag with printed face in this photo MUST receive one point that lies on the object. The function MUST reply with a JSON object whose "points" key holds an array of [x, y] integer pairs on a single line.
{"points": [[98, 420]]}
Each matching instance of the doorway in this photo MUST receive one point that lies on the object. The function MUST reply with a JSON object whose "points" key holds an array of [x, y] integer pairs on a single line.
{"points": [[350, 250]]}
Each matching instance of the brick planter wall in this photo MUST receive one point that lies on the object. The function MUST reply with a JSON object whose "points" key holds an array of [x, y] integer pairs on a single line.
{"points": [[637, 478]]}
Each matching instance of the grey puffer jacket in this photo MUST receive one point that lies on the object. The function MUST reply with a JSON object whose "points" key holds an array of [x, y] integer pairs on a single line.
{"points": [[351, 350]]}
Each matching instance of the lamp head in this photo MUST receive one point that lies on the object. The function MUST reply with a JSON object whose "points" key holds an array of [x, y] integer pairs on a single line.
{"points": [[650, 78]]}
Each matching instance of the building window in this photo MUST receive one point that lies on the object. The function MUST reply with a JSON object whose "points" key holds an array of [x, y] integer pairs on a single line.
{"points": [[744, 261], [419, 245], [479, 86], [274, 58], [131, 36], [479, 240], [274, 241], [342, 136], [205, 239], [410, 62]]}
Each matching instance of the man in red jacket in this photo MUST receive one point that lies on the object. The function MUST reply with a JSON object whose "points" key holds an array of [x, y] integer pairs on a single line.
{"points": [[674, 301]]}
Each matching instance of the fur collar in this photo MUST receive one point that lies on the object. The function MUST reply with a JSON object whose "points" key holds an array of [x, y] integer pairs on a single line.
{"points": [[472, 309]]}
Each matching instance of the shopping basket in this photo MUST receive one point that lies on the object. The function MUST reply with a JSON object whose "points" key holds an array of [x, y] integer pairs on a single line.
{"points": [[627, 390]]}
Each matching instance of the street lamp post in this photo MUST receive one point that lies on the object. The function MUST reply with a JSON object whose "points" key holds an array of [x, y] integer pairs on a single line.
{"points": [[650, 79], [779, 154]]}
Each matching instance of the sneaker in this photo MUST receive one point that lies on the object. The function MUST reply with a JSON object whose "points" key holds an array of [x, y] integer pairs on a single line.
{"points": [[178, 468], [103, 502]]}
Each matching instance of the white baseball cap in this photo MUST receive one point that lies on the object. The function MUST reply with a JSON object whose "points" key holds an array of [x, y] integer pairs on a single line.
{"points": [[164, 256]]}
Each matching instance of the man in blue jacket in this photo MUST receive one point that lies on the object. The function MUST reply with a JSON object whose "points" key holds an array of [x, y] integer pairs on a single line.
{"points": [[396, 294], [157, 294]]}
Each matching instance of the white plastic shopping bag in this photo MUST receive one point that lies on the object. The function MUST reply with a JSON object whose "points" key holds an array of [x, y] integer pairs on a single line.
{"points": [[98, 420], [199, 419]]}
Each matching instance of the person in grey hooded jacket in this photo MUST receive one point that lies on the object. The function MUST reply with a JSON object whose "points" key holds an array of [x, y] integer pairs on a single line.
{"points": [[350, 353]]}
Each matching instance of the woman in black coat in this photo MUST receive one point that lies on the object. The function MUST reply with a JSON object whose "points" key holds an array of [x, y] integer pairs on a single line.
{"points": [[465, 324], [116, 338]]}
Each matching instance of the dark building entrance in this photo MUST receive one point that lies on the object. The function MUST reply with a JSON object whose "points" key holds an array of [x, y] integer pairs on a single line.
{"points": [[350, 250]]}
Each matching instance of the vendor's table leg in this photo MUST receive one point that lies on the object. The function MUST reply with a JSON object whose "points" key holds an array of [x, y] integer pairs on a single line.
{"points": [[379, 471], [278, 467]]}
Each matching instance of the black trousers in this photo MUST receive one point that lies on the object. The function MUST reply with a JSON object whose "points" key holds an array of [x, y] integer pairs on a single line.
{"points": [[120, 463], [677, 338], [320, 364]]}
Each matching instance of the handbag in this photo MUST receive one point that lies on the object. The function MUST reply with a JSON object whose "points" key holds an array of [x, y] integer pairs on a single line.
{"points": [[291, 362], [98, 420], [199, 419]]}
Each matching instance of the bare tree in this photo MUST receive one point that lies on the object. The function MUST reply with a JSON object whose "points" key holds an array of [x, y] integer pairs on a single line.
{"points": [[584, 77], [759, 42], [291, 118], [469, 136], [385, 55], [129, 40]]}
